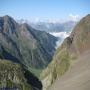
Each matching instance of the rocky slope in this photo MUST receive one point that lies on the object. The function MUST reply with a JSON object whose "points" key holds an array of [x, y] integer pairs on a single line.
{"points": [[77, 77], [71, 49], [14, 77], [23, 44]]}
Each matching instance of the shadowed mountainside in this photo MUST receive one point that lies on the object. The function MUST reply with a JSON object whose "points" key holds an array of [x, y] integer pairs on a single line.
{"points": [[23, 44]]}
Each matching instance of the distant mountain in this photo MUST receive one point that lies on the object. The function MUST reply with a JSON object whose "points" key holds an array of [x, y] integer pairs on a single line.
{"points": [[72, 56], [23, 44], [54, 27], [51, 26]]}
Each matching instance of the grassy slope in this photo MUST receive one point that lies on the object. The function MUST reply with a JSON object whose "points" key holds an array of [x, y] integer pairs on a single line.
{"points": [[57, 68]]}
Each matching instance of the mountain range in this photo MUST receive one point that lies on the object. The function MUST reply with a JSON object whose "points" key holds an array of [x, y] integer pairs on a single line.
{"points": [[25, 49], [29, 60], [25, 45], [58, 29], [51, 26]]}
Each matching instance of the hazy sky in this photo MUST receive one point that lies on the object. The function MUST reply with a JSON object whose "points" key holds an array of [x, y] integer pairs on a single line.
{"points": [[45, 9]]}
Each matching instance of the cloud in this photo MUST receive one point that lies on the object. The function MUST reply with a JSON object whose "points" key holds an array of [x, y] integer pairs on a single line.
{"points": [[74, 17], [61, 36]]}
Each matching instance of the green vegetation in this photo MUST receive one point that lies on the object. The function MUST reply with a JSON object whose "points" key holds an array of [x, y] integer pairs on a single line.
{"points": [[9, 84], [60, 64], [36, 72], [1, 56], [64, 64], [12, 75]]}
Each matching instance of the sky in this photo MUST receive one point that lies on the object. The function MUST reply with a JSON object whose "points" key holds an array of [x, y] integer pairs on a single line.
{"points": [[52, 10]]}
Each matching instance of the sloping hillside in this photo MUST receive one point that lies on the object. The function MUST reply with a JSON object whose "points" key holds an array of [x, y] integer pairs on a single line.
{"points": [[70, 50], [77, 77]]}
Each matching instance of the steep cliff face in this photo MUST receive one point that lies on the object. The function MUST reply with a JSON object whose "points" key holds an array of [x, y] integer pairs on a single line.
{"points": [[25, 45], [14, 76], [72, 47]]}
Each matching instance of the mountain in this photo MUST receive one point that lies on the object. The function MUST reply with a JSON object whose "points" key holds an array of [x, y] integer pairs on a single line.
{"points": [[23, 44], [14, 77], [54, 27], [70, 67], [58, 29]]}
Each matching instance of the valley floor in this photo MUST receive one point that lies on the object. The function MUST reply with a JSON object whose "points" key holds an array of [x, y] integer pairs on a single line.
{"points": [[77, 77]]}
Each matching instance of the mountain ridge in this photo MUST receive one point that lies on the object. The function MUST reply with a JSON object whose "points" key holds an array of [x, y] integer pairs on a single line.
{"points": [[30, 47], [70, 50]]}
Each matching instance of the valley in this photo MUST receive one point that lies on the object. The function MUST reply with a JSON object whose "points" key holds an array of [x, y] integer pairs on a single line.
{"points": [[44, 44]]}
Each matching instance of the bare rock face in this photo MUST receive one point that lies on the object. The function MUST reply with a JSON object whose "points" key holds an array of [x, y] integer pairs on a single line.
{"points": [[73, 47]]}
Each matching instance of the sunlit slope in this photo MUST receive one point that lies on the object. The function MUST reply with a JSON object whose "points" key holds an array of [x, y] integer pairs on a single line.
{"points": [[70, 50]]}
